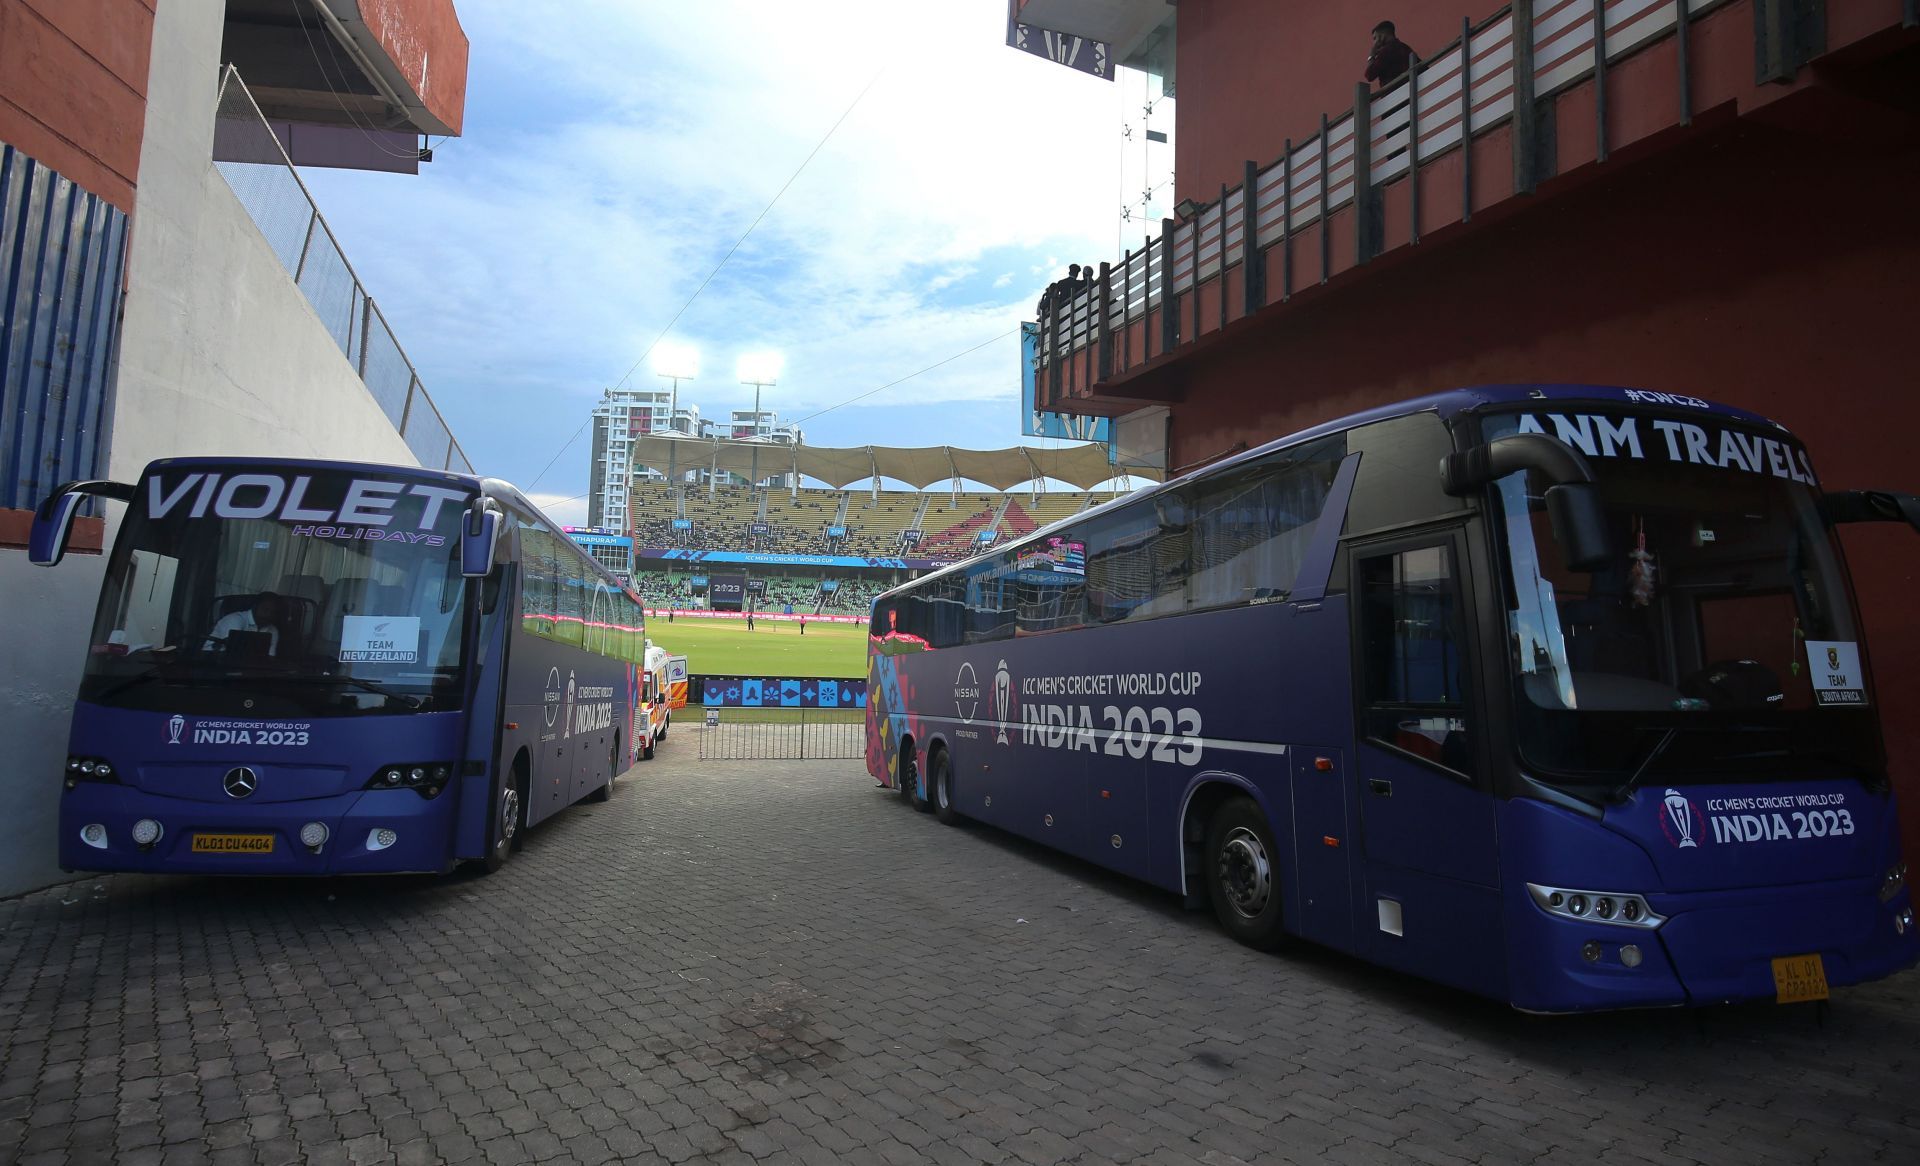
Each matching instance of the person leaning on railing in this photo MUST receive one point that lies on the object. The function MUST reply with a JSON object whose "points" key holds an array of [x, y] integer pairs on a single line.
{"points": [[1390, 58]]}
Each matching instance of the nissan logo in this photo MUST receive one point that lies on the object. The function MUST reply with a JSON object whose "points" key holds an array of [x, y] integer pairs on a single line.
{"points": [[240, 781]]}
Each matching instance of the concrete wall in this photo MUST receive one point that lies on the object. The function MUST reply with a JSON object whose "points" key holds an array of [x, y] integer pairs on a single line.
{"points": [[220, 354]]}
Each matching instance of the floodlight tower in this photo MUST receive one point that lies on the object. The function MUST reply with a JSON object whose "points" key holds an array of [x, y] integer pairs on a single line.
{"points": [[676, 362], [762, 371]]}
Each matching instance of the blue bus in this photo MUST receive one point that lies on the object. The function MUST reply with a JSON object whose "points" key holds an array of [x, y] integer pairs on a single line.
{"points": [[1555, 694], [324, 668]]}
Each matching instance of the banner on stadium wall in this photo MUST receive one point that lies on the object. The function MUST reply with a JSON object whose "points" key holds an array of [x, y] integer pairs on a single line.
{"points": [[756, 587], [660, 613], [728, 591], [753, 692], [756, 558], [1038, 422]]}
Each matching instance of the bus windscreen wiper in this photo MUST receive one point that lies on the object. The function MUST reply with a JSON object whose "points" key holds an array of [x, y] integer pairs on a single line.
{"points": [[146, 676], [1620, 792], [391, 693]]}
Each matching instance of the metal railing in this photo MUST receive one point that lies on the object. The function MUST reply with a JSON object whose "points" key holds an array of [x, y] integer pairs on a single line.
{"points": [[1485, 78], [255, 165], [796, 735]]}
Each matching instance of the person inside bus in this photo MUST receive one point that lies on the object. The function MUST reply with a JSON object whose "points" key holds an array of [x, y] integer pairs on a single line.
{"points": [[262, 617], [1390, 56]]}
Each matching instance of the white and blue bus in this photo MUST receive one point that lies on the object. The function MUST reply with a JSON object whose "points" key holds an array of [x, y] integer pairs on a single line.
{"points": [[1556, 694], [320, 668]]}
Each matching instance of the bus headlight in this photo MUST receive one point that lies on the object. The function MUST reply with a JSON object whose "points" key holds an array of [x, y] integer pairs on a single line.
{"points": [[1617, 908], [313, 835], [1893, 881], [81, 769], [426, 778], [380, 837], [95, 835], [146, 832]]}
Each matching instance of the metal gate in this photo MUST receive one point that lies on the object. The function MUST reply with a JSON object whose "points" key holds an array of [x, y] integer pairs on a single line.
{"points": [[792, 735]]}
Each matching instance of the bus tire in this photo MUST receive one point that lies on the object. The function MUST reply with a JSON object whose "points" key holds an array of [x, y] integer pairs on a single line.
{"points": [[940, 786], [646, 750], [1243, 875], [909, 776], [510, 825]]}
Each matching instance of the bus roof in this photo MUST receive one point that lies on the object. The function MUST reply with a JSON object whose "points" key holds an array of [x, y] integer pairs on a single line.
{"points": [[1447, 405]]}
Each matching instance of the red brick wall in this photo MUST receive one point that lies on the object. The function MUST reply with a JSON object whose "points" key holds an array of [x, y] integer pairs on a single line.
{"points": [[73, 88], [1253, 73], [424, 38]]}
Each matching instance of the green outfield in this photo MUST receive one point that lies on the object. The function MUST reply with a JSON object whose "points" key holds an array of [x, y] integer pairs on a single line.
{"points": [[724, 647]]}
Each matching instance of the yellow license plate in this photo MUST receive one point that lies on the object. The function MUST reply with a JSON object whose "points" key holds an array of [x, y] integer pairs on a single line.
{"points": [[239, 844], [1798, 978]]}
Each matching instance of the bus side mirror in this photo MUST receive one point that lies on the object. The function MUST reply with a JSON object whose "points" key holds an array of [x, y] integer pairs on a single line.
{"points": [[1579, 525], [52, 521], [53, 518], [479, 538], [1573, 501], [1871, 506]]}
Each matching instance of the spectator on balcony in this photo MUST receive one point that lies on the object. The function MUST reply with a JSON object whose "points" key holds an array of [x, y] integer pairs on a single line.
{"points": [[1390, 58]]}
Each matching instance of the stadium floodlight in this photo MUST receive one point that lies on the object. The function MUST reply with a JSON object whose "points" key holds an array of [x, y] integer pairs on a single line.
{"points": [[759, 368], [676, 360]]}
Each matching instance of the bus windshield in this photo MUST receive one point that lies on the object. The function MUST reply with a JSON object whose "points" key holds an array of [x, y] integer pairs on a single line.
{"points": [[282, 591], [1719, 643]]}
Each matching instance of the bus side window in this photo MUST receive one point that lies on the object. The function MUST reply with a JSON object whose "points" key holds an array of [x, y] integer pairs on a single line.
{"points": [[1253, 524], [1413, 671]]}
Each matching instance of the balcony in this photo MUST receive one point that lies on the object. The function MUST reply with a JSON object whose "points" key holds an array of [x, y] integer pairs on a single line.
{"points": [[1488, 119]]}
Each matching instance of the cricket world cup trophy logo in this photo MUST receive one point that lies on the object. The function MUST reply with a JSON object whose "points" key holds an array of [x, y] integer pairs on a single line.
{"points": [[1002, 701], [1681, 819], [176, 725]]}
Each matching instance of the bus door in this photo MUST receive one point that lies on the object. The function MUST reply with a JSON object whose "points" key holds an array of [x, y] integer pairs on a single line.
{"points": [[1426, 824]]}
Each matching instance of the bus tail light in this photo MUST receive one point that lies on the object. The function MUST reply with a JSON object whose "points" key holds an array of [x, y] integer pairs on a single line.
{"points": [[1613, 907], [426, 778]]}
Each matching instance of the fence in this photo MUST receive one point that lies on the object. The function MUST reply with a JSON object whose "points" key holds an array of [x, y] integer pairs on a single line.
{"points": [[62, 251], [1485, 78], [255, 165], [794, 735]]}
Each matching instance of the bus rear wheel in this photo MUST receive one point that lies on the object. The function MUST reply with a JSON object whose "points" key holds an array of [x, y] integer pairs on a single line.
{"points": [[940, 789], [1243, 875]]}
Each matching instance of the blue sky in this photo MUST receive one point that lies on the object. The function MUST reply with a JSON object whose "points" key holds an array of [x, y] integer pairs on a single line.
{"points": [[613, 151]]}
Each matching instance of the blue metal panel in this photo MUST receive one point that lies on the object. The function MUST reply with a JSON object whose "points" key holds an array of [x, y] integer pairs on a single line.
{"points": [[62, 252]]}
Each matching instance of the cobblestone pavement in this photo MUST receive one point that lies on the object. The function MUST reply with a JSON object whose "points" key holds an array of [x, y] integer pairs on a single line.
{"points": [[776, 962]]}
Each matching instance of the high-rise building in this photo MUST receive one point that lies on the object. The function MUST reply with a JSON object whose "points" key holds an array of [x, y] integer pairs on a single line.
{"points": [[764, 426], [622, 416]]}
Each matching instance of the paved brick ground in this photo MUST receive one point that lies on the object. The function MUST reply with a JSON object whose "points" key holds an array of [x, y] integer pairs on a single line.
{"points": [[775, 962]]}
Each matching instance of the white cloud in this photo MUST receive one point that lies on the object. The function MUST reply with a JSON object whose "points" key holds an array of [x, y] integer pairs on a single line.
{"points": [[614, 151], [562, 509]]}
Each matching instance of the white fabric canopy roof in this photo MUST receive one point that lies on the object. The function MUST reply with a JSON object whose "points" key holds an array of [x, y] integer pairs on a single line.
{"points": [[1085, 466]]}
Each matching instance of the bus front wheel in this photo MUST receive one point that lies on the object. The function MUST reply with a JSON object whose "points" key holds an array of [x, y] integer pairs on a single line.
{"points": [[510, 825], [1243, 875]]}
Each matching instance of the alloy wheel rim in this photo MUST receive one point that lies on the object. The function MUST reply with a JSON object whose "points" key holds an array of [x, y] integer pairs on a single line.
{"points": [[1245, 872]]}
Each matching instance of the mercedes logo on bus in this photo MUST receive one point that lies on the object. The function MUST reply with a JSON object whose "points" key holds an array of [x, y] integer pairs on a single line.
{"points": [[240, 781]]}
